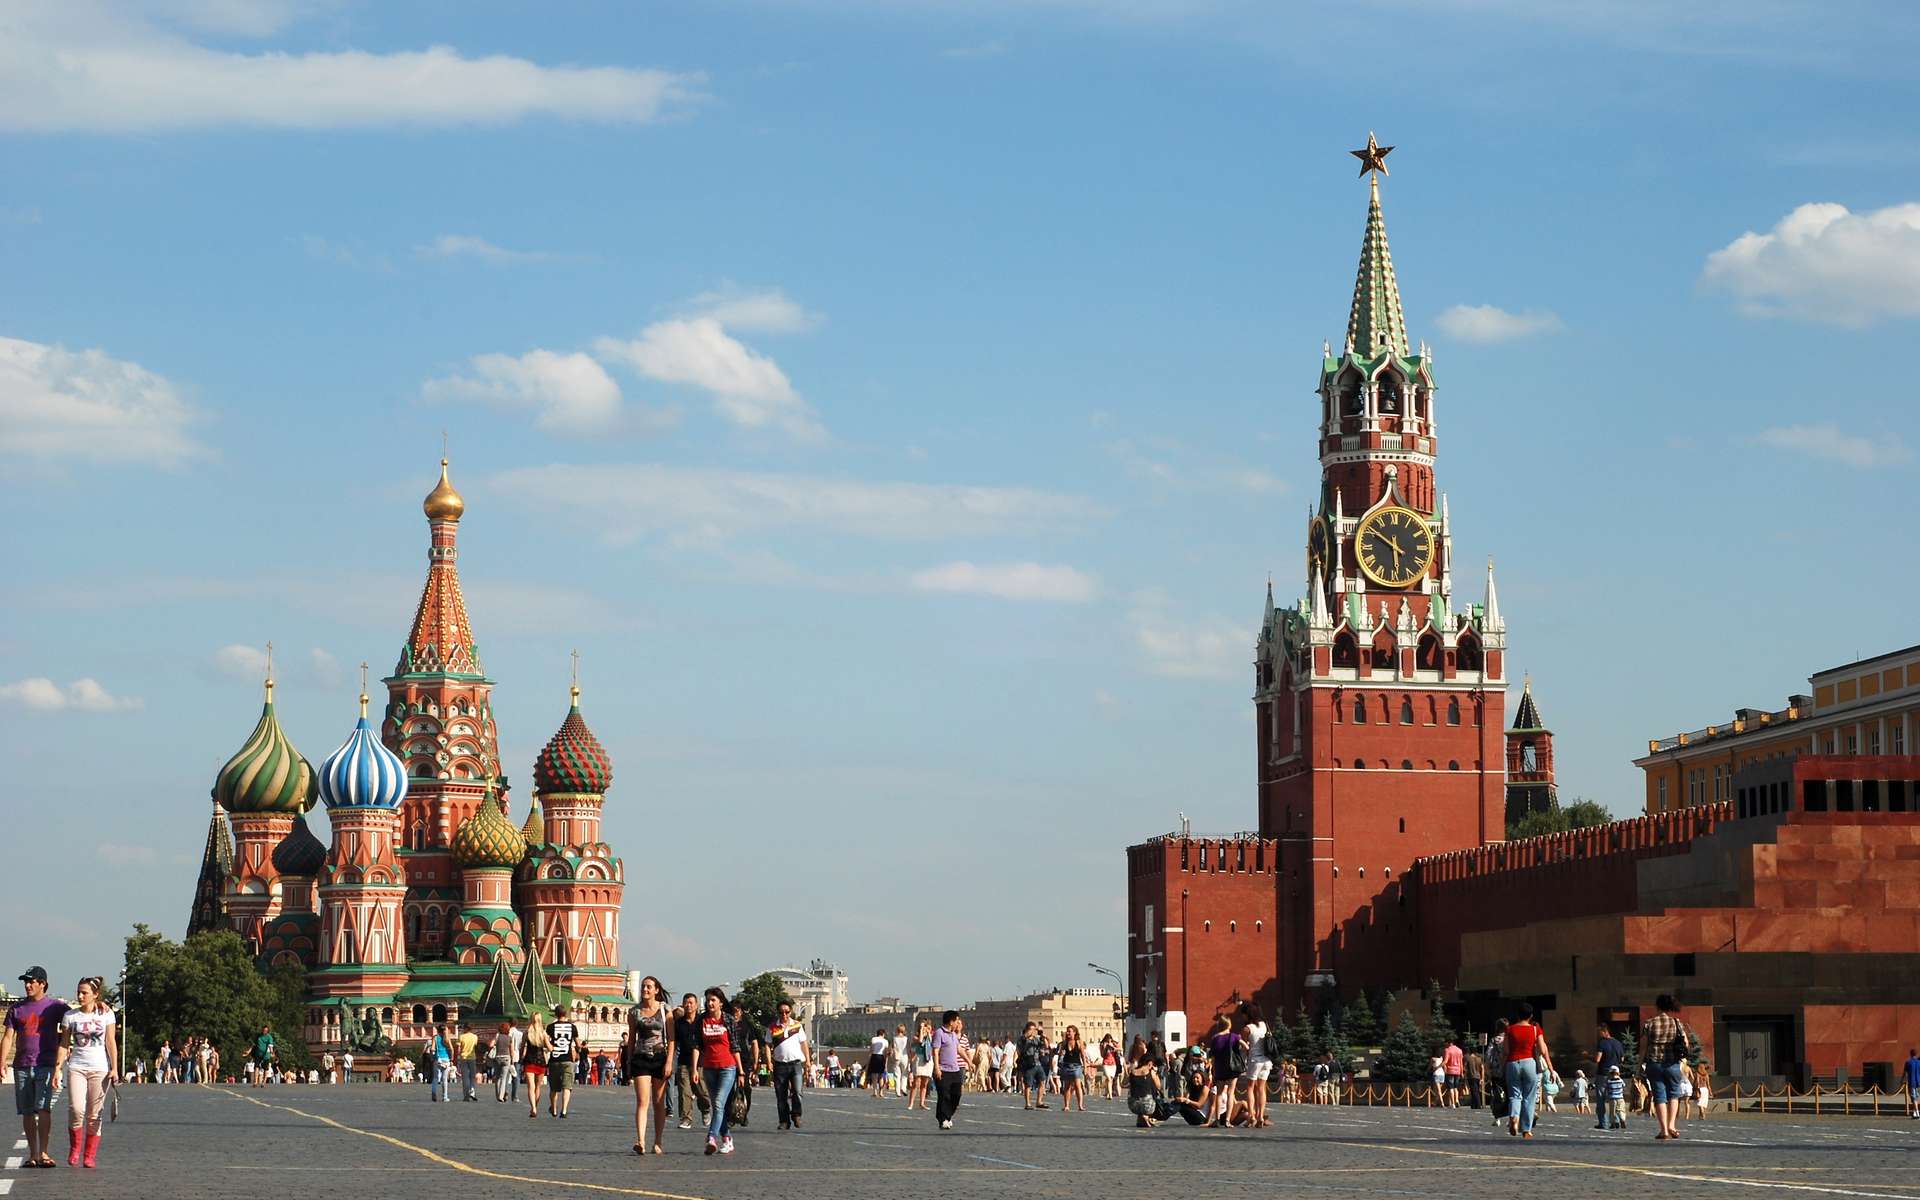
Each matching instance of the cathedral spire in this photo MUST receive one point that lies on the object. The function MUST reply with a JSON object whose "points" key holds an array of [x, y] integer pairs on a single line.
{"points": [[216, 864], [441, 640], [1376, 323], [1528, 718]]}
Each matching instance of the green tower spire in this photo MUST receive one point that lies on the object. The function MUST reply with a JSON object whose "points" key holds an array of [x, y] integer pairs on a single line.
{"points": [[1376, 325]]}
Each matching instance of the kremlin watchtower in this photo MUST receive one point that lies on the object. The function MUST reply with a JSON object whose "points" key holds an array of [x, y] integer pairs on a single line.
{"points": [[1378, 698]]}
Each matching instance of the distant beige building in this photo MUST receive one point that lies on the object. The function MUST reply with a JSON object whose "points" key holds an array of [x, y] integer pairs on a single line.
{"points": [[1091, 1009], [855, 1026]]}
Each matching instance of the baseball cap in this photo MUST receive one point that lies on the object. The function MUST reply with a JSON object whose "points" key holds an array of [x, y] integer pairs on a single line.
{"points": [[34, 975]]}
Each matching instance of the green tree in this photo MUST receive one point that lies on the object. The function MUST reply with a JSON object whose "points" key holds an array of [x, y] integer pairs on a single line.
{"points": [[1303, 1043], [761, 997], [1329, 1040], [205, 987], [1359, 1023], [1585, 814], [1439, 1029], [284, 997], [1405, 1056], [1537, 824]]}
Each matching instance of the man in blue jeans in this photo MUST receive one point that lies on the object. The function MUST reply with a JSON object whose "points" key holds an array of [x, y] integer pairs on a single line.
{"points": [[31, 1043]]}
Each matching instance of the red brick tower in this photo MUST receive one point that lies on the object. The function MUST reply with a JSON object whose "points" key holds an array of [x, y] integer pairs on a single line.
{"points": [[439, 720], [569, 885], [1379, 702]]}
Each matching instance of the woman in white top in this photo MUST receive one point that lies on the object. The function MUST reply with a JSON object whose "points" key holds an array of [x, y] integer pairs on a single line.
{"points": [[1259, 1065], [88, 1050]]}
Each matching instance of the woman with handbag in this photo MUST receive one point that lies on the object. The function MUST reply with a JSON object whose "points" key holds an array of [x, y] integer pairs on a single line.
{"points": [[1527, 1063]]}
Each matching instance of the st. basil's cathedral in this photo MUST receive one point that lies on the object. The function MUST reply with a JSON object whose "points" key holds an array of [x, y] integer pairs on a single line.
{"points": [[430, 904]]}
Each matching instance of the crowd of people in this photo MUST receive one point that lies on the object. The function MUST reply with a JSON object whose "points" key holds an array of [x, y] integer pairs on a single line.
{"points": [[706, 1055]]}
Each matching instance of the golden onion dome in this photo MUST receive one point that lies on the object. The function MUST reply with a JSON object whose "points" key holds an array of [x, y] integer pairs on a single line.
{"points": [[487, 838], [443, 503]]}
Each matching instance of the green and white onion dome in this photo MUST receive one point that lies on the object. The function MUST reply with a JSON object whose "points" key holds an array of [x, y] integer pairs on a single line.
{"points": [[267, 775]]}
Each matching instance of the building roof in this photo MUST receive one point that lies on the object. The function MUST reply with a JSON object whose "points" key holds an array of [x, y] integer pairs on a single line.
{"points": [[441, 640], [487, 838], [1376, 323], [500, 998], [573, 759], [363, 773], [1527, 718], [299, 853], [266, 775]]}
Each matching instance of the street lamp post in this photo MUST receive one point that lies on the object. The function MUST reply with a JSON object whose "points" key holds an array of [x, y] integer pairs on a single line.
{"points": [[1115, 976]]}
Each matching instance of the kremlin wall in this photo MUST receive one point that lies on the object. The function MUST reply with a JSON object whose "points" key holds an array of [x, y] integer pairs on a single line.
{"points": [[428, 903], [1773, 886]]}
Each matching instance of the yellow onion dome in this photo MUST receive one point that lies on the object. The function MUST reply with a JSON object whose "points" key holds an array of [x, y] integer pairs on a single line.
{"points": [[487, 838], [443, 503]]}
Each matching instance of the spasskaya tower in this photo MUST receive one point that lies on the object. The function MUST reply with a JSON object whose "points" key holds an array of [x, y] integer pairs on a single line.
{"points": [[1380, 701]]}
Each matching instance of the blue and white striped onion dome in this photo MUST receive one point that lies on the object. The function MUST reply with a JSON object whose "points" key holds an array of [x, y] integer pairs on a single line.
{"points": [[362, 773]]}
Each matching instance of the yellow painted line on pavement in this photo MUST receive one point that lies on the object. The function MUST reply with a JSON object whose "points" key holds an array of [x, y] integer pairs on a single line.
{"points": [[455, 1164]]}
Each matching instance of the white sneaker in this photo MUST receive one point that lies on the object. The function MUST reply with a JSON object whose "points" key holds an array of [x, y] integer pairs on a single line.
{"points": [[726, 1145], [686, 1124]]}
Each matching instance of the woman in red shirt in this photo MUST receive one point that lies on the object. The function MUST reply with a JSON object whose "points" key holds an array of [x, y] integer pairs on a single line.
{"points": [[1527, 1062], [719, 1061]]}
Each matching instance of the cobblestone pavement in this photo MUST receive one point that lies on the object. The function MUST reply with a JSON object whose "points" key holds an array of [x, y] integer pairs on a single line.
{"points": [[382, 1140]]}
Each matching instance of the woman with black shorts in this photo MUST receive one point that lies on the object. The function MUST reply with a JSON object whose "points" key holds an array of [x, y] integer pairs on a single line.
{"points": [[647, 1063]]}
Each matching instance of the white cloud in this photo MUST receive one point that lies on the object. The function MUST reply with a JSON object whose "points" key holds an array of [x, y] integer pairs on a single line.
{"points": [[1258, 482], [763, 310], [62, 404], [1490, 323], [1829, 443], [82, 695], [1009, 581], [241, 662], [568, 393], [1209, 648], [324, 668], [102, 68], [462, 245], [748, 389], [1822, 262], [706, 504]]}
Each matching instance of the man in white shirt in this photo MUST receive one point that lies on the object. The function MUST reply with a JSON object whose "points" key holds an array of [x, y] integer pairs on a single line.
{"points": [[346, 1067], [792, 1060], [877, 1062]]}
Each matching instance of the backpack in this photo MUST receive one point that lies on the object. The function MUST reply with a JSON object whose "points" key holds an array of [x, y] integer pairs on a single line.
{"points": [[1236, 1057]]}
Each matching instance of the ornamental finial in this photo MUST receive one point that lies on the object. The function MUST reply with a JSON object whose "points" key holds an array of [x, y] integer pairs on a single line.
{"points": [[574, 691], [269, 672], [1372, 156], [363, 691]]}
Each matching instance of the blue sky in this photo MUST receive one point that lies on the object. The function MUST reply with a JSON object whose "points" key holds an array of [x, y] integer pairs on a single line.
{"points": [[901, 406]]}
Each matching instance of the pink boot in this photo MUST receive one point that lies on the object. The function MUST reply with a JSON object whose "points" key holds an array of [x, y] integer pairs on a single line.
{"points": [[73, 1146], [93, 1149]]}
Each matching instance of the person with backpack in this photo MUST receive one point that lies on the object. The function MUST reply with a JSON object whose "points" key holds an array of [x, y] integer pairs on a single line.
{"points": [[1228, 1050], [1664, 1042], [1496, 1061]]}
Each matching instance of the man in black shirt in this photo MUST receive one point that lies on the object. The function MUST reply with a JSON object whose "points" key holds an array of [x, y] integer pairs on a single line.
{"points": [[684, 1031], [563, 1046]]}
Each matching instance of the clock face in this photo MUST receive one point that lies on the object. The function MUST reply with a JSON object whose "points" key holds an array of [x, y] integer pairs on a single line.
{"points": [[1394, 547], [1319, 545]]}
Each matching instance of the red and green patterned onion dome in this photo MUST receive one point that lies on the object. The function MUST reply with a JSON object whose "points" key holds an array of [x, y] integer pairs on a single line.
{"points": [[267, 775], [488, 839], [574, 761], [299, 853]]}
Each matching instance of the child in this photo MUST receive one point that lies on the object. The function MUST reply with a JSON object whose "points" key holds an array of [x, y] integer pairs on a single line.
{"points": [[1616, 1099], [1580, 1092]]}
